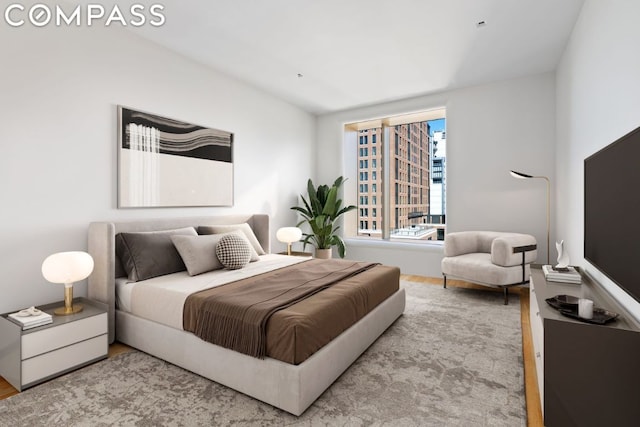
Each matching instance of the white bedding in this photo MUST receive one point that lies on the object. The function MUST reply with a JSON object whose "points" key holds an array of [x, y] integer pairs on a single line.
{"points": [[161, 299]]}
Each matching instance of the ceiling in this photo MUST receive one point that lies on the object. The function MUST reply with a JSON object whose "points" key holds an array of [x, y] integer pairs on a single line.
{"points": [[352, 53]]}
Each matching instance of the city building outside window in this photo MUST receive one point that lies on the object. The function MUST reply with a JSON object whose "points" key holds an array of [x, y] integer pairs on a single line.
{"points": [[414, 153]]}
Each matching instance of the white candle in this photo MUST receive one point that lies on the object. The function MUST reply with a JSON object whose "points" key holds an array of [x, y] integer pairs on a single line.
{"points": [[585, 308]]}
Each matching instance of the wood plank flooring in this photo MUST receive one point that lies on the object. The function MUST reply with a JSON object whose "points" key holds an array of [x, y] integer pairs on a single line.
{"points": [[534, 412]]}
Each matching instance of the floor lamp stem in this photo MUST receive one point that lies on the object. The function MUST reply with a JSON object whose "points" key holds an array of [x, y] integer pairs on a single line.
{"points": [[548, 216]]}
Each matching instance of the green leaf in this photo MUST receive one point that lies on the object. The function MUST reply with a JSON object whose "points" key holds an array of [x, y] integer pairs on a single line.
{"points": [[321, 209], [330, 204]]}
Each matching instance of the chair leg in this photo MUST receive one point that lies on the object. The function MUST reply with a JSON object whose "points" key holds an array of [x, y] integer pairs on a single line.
{"points": [[506, 295], [445, 280]]}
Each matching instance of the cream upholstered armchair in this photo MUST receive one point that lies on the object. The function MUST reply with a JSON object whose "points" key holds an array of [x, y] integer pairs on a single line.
{"points": [[489, 258]]}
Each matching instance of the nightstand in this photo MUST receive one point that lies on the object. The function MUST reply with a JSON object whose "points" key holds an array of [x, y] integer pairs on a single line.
{"points": [[295, 253], [36, 355]]}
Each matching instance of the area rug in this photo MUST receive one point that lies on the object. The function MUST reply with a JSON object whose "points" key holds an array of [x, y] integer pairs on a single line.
{"points": [[453, 359]]}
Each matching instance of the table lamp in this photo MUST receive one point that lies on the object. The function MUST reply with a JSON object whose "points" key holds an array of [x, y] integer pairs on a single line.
{"points": [[67, 268], [288, 235]]}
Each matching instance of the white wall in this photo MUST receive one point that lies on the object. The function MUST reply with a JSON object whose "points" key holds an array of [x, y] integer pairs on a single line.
{"points": [[59, 88], [598, 101], [490, 129]]}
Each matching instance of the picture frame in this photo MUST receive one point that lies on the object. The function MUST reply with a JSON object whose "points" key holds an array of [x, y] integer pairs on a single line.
{"points": [[164, 162]]}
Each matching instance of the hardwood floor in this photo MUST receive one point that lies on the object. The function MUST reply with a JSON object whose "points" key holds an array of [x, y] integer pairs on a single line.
{"points": [[534, 412], [6, 390]]}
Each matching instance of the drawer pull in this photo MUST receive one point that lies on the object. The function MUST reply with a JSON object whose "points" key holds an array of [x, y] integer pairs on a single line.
{"points": [[538, 355], [538, 313]]}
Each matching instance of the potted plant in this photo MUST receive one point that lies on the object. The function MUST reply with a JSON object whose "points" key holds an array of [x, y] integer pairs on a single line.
{"points": [[321, 212]]}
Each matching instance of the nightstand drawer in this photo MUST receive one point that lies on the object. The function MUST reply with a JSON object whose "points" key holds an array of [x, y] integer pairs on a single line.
{"points": [[54, 362], [46, 340]]}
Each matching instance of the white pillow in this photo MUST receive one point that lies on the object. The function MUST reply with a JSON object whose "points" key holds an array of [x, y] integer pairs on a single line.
{"points": [[244, 227]]}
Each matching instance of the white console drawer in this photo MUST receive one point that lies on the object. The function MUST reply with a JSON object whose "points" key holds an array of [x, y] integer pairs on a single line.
{"points": [[46, 340], [537, 336], [54, 362]]}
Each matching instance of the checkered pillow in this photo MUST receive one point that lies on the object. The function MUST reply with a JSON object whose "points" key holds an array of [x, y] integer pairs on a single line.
{"points": [[233, 251]]}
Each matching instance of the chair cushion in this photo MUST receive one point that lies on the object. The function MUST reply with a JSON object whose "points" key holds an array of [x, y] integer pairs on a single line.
{"points": [[478, 268], [466, 242]]}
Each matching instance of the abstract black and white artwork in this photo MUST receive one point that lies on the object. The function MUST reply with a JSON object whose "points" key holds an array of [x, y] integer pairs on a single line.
{"points": [[164, 162]]}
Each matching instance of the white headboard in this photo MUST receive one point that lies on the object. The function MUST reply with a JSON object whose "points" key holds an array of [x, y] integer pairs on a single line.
{"points": [[102, 248]]}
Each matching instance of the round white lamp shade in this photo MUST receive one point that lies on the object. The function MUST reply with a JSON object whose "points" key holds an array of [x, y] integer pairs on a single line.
{"points": [[288, 234], [67, 267]]}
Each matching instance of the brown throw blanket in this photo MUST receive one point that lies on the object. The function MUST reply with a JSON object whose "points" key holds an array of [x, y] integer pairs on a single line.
{"points": [[235, 315]]}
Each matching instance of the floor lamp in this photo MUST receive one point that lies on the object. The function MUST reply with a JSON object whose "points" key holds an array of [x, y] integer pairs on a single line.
{"points": [[521, 175]]}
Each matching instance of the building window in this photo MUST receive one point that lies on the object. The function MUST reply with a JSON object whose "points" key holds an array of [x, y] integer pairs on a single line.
{"points": [[415, 153]]}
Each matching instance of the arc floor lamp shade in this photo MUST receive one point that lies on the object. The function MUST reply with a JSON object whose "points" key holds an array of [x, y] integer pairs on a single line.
{"points": [[67, 268]]}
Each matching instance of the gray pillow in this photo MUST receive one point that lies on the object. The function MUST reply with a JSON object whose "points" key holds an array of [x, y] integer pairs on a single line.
{"points": [[244, 227], [150, 254], [233, 251], [198, 252]]}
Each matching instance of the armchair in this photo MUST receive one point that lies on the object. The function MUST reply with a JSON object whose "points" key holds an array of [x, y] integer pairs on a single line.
{"points": [[489, 258]]}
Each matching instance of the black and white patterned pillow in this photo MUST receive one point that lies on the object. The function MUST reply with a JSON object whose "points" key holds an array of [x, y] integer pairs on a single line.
{"points": [[233, 251]]}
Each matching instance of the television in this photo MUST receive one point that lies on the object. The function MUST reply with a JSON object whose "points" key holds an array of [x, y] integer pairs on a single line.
{"points": [[612, 212]]}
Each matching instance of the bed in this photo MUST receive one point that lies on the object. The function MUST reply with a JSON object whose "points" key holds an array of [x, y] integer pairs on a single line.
{"points": [[288, 386]]}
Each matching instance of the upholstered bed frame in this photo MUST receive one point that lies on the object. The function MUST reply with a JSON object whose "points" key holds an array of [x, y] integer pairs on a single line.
{"points": [[292, 388]]}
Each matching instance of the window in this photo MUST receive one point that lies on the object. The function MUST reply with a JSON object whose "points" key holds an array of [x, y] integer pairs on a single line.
{"points": [[413, 148]]}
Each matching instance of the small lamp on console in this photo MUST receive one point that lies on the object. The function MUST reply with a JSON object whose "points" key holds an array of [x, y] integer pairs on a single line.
{"points": [[288, 235], [67, 268]]}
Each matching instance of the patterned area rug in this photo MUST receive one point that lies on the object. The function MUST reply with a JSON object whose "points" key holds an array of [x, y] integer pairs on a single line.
{"points": [[453, 359]]}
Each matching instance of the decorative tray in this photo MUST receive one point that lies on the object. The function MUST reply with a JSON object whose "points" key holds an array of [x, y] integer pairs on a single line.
{"points": [[567, 305], [560, 302], [600, 315]]}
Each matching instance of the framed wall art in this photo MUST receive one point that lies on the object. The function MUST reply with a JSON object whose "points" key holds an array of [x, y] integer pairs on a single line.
{"points": [[166, 163]]}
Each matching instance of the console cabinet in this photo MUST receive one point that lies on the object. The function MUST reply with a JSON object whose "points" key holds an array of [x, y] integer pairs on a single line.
{"points": [[588, 374]]}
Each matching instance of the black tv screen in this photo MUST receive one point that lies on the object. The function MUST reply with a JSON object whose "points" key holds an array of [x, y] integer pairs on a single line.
{"points": [[612, 212]]}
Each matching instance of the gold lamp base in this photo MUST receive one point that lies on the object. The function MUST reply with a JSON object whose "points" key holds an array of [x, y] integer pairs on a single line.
{"points": [[64, 311], [69, 306]]}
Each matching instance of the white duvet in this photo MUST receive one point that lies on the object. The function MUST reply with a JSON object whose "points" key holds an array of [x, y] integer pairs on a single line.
{"points": [[161, 299]]}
